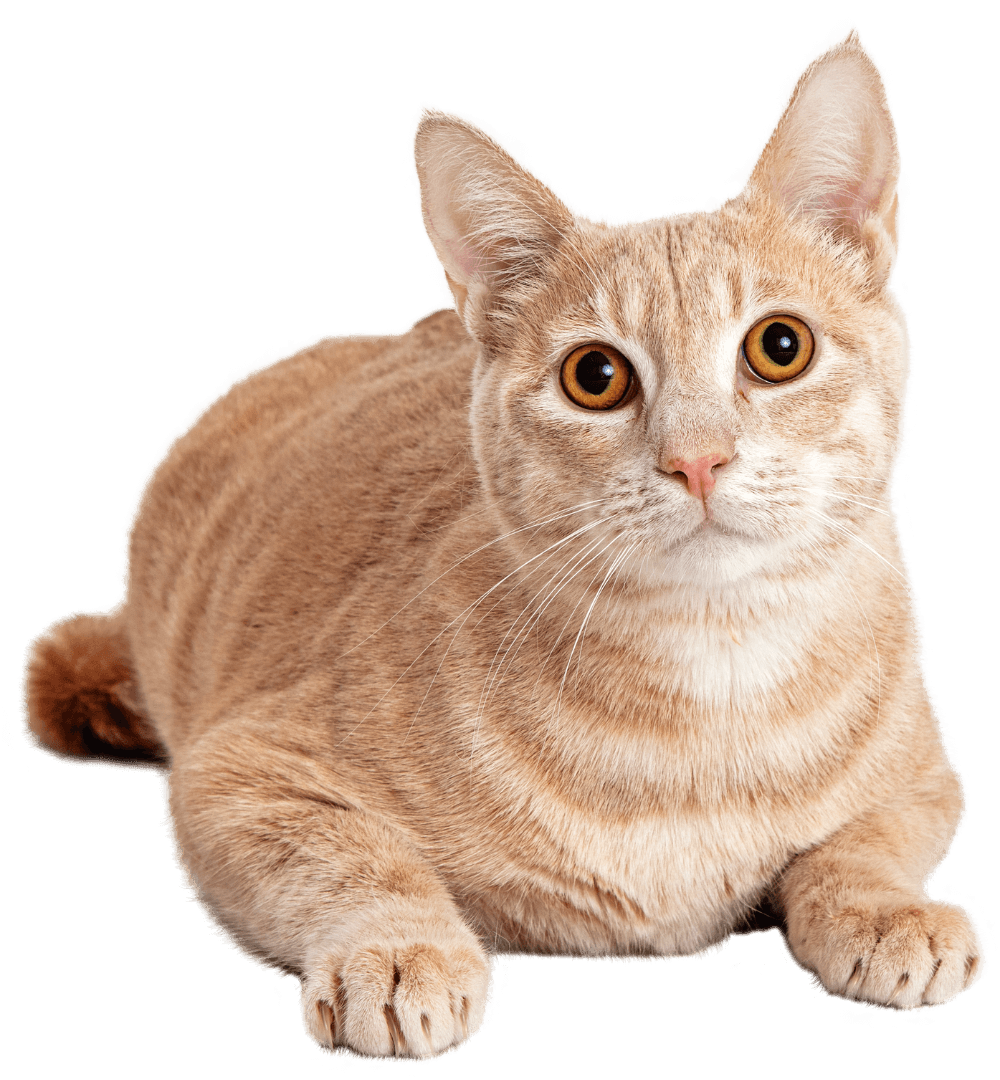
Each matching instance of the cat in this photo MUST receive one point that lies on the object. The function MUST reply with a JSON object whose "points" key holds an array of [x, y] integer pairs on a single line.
{"points": [[568, 621]]}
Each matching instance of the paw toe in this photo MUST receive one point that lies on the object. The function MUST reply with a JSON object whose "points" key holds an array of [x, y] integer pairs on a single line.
{"points": [[412, 1000], [901, 956]]}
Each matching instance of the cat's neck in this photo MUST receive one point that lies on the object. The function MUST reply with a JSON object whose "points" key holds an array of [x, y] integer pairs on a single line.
{"points": [[730, 641]]}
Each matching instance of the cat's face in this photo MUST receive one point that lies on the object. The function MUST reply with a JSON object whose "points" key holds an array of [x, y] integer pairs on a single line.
{"points": [[695, 450], [807, 458]]}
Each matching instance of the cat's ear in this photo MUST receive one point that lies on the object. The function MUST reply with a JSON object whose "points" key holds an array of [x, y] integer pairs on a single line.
{"points": [[493, 225], [833, 157]]}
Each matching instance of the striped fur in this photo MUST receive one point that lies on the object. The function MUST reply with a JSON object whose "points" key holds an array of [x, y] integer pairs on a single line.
{"points": [[444, 664]]}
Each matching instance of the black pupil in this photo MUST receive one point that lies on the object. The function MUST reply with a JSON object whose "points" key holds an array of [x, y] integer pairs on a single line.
{"points": [[780, 343], [594, 372]]}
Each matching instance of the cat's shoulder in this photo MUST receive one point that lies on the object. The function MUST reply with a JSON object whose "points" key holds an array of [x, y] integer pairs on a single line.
{"points": [[337, 372], [439, 341], [440, 332], [341, 395]]}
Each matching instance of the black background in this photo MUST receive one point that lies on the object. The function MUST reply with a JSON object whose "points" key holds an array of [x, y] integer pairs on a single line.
{"points": [[194, 201]]}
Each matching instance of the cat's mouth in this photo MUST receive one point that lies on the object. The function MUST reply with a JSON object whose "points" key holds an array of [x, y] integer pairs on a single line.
{"points": [[715, 537]]}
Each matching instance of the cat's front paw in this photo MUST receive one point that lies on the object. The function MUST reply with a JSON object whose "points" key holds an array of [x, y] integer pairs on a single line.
{"points": [[891, 954], [398, 990]]}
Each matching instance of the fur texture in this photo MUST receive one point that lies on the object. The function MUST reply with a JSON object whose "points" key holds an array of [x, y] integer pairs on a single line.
{"points": [[444, 663]]}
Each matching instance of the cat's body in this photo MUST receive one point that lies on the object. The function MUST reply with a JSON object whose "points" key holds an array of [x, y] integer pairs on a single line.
{"points": [[562, 678]]}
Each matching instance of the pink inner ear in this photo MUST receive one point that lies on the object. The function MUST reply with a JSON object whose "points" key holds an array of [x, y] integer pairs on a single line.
{"points": [[842, 200], [833, 156], [465, 259], [853, 202]]}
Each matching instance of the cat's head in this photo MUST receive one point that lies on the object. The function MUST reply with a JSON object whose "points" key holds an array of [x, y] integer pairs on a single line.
{"points": [[718, 392]]}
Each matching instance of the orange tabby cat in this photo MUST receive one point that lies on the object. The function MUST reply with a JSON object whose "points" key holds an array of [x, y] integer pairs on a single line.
{"points": [[566, 623]]}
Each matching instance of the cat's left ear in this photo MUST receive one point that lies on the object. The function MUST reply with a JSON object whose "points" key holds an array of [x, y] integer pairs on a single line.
{"points": [[833, 157]]}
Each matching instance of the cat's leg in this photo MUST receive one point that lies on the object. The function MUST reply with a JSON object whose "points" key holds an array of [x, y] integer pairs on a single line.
{"points": [[856, 912], [340, 895]]}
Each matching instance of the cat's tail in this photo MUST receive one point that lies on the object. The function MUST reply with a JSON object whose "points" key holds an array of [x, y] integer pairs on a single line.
{"points": [[82, 695]]}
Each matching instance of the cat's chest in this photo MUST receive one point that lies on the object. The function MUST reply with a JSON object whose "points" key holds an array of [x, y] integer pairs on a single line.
{"points": [[661, 789], [578, 883]]}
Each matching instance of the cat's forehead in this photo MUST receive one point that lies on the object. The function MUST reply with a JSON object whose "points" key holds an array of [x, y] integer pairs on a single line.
{"points": [[680, 286]]}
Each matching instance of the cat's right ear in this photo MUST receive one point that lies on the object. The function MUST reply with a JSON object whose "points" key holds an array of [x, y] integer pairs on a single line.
{"points": [[493, 225]]}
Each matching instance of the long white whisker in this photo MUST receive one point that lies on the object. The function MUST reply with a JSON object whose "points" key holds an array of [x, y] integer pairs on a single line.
{"points": [[566, 574], [489, 611], [837, 495], [844, 531], [617, 569], [469, 608], [491, 687], [583, 626], [569, 618], [579, 508]]}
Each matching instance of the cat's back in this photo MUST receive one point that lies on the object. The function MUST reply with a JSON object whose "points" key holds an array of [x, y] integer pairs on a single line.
{"points": [[263, 513], [390, 387]]}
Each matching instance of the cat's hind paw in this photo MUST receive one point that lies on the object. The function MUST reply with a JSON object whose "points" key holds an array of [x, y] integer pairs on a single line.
{"points": [[398, 997], [889, 954]]}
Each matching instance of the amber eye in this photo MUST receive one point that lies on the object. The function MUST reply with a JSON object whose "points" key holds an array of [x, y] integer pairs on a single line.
{"points": [[596, 376], [778, 348]]}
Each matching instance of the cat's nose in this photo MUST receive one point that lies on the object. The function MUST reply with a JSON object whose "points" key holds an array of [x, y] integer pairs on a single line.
{"points": [[698, 472]]}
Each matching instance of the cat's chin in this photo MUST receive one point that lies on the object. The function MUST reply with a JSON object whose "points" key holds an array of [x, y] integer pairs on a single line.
{"points": [[715, 556]]}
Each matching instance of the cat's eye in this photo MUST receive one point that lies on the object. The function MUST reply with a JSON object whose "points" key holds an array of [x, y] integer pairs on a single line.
{"points": [[778, 348], [597, 377]]}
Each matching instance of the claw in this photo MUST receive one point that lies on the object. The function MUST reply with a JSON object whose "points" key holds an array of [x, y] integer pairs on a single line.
{"points": [[971, 964], [327, 1020], [395, 1031]]}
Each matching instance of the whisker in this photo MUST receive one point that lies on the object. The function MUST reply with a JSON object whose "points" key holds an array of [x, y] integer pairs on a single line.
{"points": [[569, 572], [837, 495], [583, 625], [531, 573], [492, 687], [569, 618], [841, 528], [858, 476], [472, 607], [579, 508], [614, 582], [469, 608]]}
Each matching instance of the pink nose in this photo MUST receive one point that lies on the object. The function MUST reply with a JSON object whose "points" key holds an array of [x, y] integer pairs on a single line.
{"points": [[698, 472]]}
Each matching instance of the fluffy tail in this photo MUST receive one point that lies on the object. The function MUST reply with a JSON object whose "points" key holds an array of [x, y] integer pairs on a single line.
{"points": [[82, 696]]}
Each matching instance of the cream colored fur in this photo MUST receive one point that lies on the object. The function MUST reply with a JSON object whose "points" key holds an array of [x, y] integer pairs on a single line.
{"points": [[446, 664]]}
